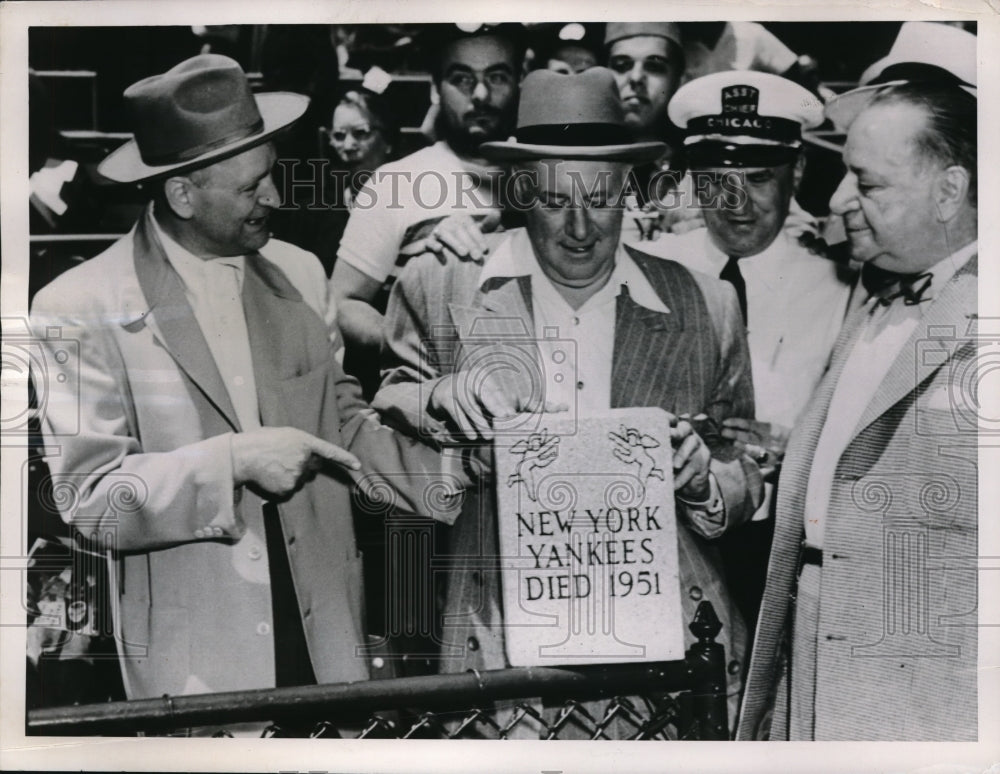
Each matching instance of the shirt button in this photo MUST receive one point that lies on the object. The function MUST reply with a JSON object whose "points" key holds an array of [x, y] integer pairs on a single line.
{"points": [[472, 643], [576, 321], [734, 667], [217, 531], [238, 381], [695, 593], [199, 533], [255, 552], [263, 628], [579, 385]]}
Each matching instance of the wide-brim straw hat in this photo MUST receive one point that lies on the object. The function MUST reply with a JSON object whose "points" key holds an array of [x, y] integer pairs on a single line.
{"points": [[923, 52]]}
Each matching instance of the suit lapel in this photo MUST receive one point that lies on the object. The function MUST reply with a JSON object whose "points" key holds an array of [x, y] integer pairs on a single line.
{"points": [[950, 310], [172, 319]]}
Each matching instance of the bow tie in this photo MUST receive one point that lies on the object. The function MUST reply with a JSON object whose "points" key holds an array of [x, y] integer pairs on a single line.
{"points": [[888, 285]]}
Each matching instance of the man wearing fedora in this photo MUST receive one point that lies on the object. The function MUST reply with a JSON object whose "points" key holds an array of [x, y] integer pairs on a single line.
{"points": [[743, 150], [206, 436], [647, 331], [876, 527]]}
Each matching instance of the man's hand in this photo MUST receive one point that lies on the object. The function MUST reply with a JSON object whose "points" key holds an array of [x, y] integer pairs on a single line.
{"points": [[457, 237], [765, 442], [691, 461], [476, 400], [278, 460]]}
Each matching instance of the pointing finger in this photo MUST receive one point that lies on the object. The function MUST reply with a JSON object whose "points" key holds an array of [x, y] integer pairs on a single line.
{"points": [[334, 453]]}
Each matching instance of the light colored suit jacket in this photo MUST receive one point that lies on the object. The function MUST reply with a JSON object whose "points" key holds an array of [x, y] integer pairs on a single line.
{"points": [[137, 429], [897, 642], [693, 359]]}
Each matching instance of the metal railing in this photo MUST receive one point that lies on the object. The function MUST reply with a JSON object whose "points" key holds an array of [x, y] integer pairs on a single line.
{"points": [[662, 700]]}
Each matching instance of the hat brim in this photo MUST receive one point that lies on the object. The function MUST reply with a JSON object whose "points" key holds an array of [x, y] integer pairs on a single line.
{"points": [[519, 151], [844, 108], [278, 110]]}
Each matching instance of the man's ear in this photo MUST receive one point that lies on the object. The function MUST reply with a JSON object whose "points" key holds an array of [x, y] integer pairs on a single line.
{"points": [[951, 191], [178, 192]]}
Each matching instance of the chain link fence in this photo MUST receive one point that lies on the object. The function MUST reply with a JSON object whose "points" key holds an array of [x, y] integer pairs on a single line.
{"points": [[660, 700]]}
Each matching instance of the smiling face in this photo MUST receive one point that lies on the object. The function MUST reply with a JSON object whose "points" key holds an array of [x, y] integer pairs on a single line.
{"points": [[574, 220], [478, 91], [231, 202], [647, 76], [745, 208], [887, 196]]}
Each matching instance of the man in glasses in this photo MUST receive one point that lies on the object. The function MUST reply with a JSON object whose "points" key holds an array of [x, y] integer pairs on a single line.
{"points": [[475, 81]]}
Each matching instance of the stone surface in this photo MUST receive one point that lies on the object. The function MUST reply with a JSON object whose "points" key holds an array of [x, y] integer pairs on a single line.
{"points": [[588, 539]]}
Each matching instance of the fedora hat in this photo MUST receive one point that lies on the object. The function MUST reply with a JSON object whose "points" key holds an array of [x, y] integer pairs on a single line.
{"points": [[571, 117], [195, 114], [922, 52]]}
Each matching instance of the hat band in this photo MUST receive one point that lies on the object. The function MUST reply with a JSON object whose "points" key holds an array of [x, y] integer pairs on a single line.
{"points": [[919, 71], [769, 127], [724, 154], [187, 154], [573, 135]]}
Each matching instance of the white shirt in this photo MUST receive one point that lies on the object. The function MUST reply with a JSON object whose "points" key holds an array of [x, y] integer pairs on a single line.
{"points": [[795, 308], [214, 289], [427, 185], [886, 330], [589, 329]]}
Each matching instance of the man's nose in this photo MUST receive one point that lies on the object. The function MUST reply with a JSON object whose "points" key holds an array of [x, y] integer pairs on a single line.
{"points": [[349, 142], [267, 193], [481, 93], [637, 73], [578, 223], [844, 198]]}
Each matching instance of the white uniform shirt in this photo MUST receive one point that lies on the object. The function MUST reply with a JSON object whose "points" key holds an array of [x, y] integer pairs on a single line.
{"points": [[795, 308], [886, 330]]}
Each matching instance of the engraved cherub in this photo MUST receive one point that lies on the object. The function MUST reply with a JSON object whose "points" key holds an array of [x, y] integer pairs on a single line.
{"points": [[632, 447], [538, 450]]}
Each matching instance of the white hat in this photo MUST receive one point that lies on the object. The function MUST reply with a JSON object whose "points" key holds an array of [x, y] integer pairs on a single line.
{"points": [[923, 51], [743, 118]]}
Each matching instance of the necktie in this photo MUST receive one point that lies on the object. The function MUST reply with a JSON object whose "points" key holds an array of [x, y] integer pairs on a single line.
{"points": [[731, 274], [888, 285]]}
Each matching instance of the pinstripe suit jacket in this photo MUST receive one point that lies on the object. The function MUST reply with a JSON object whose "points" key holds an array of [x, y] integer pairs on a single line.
{"points": [[694, 359], [896, 652]]}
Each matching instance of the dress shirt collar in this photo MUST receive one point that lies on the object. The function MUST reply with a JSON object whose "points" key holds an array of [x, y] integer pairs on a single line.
{"points": [[515, 257], [194, 271]]}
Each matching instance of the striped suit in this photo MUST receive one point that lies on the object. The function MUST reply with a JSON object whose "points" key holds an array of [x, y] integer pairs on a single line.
{"points": [[896, 639], [693, 359]]}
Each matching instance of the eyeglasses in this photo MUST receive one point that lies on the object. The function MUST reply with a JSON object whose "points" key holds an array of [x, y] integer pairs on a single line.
{"points": [[654, 65], [359, 133], [466, 81]]}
